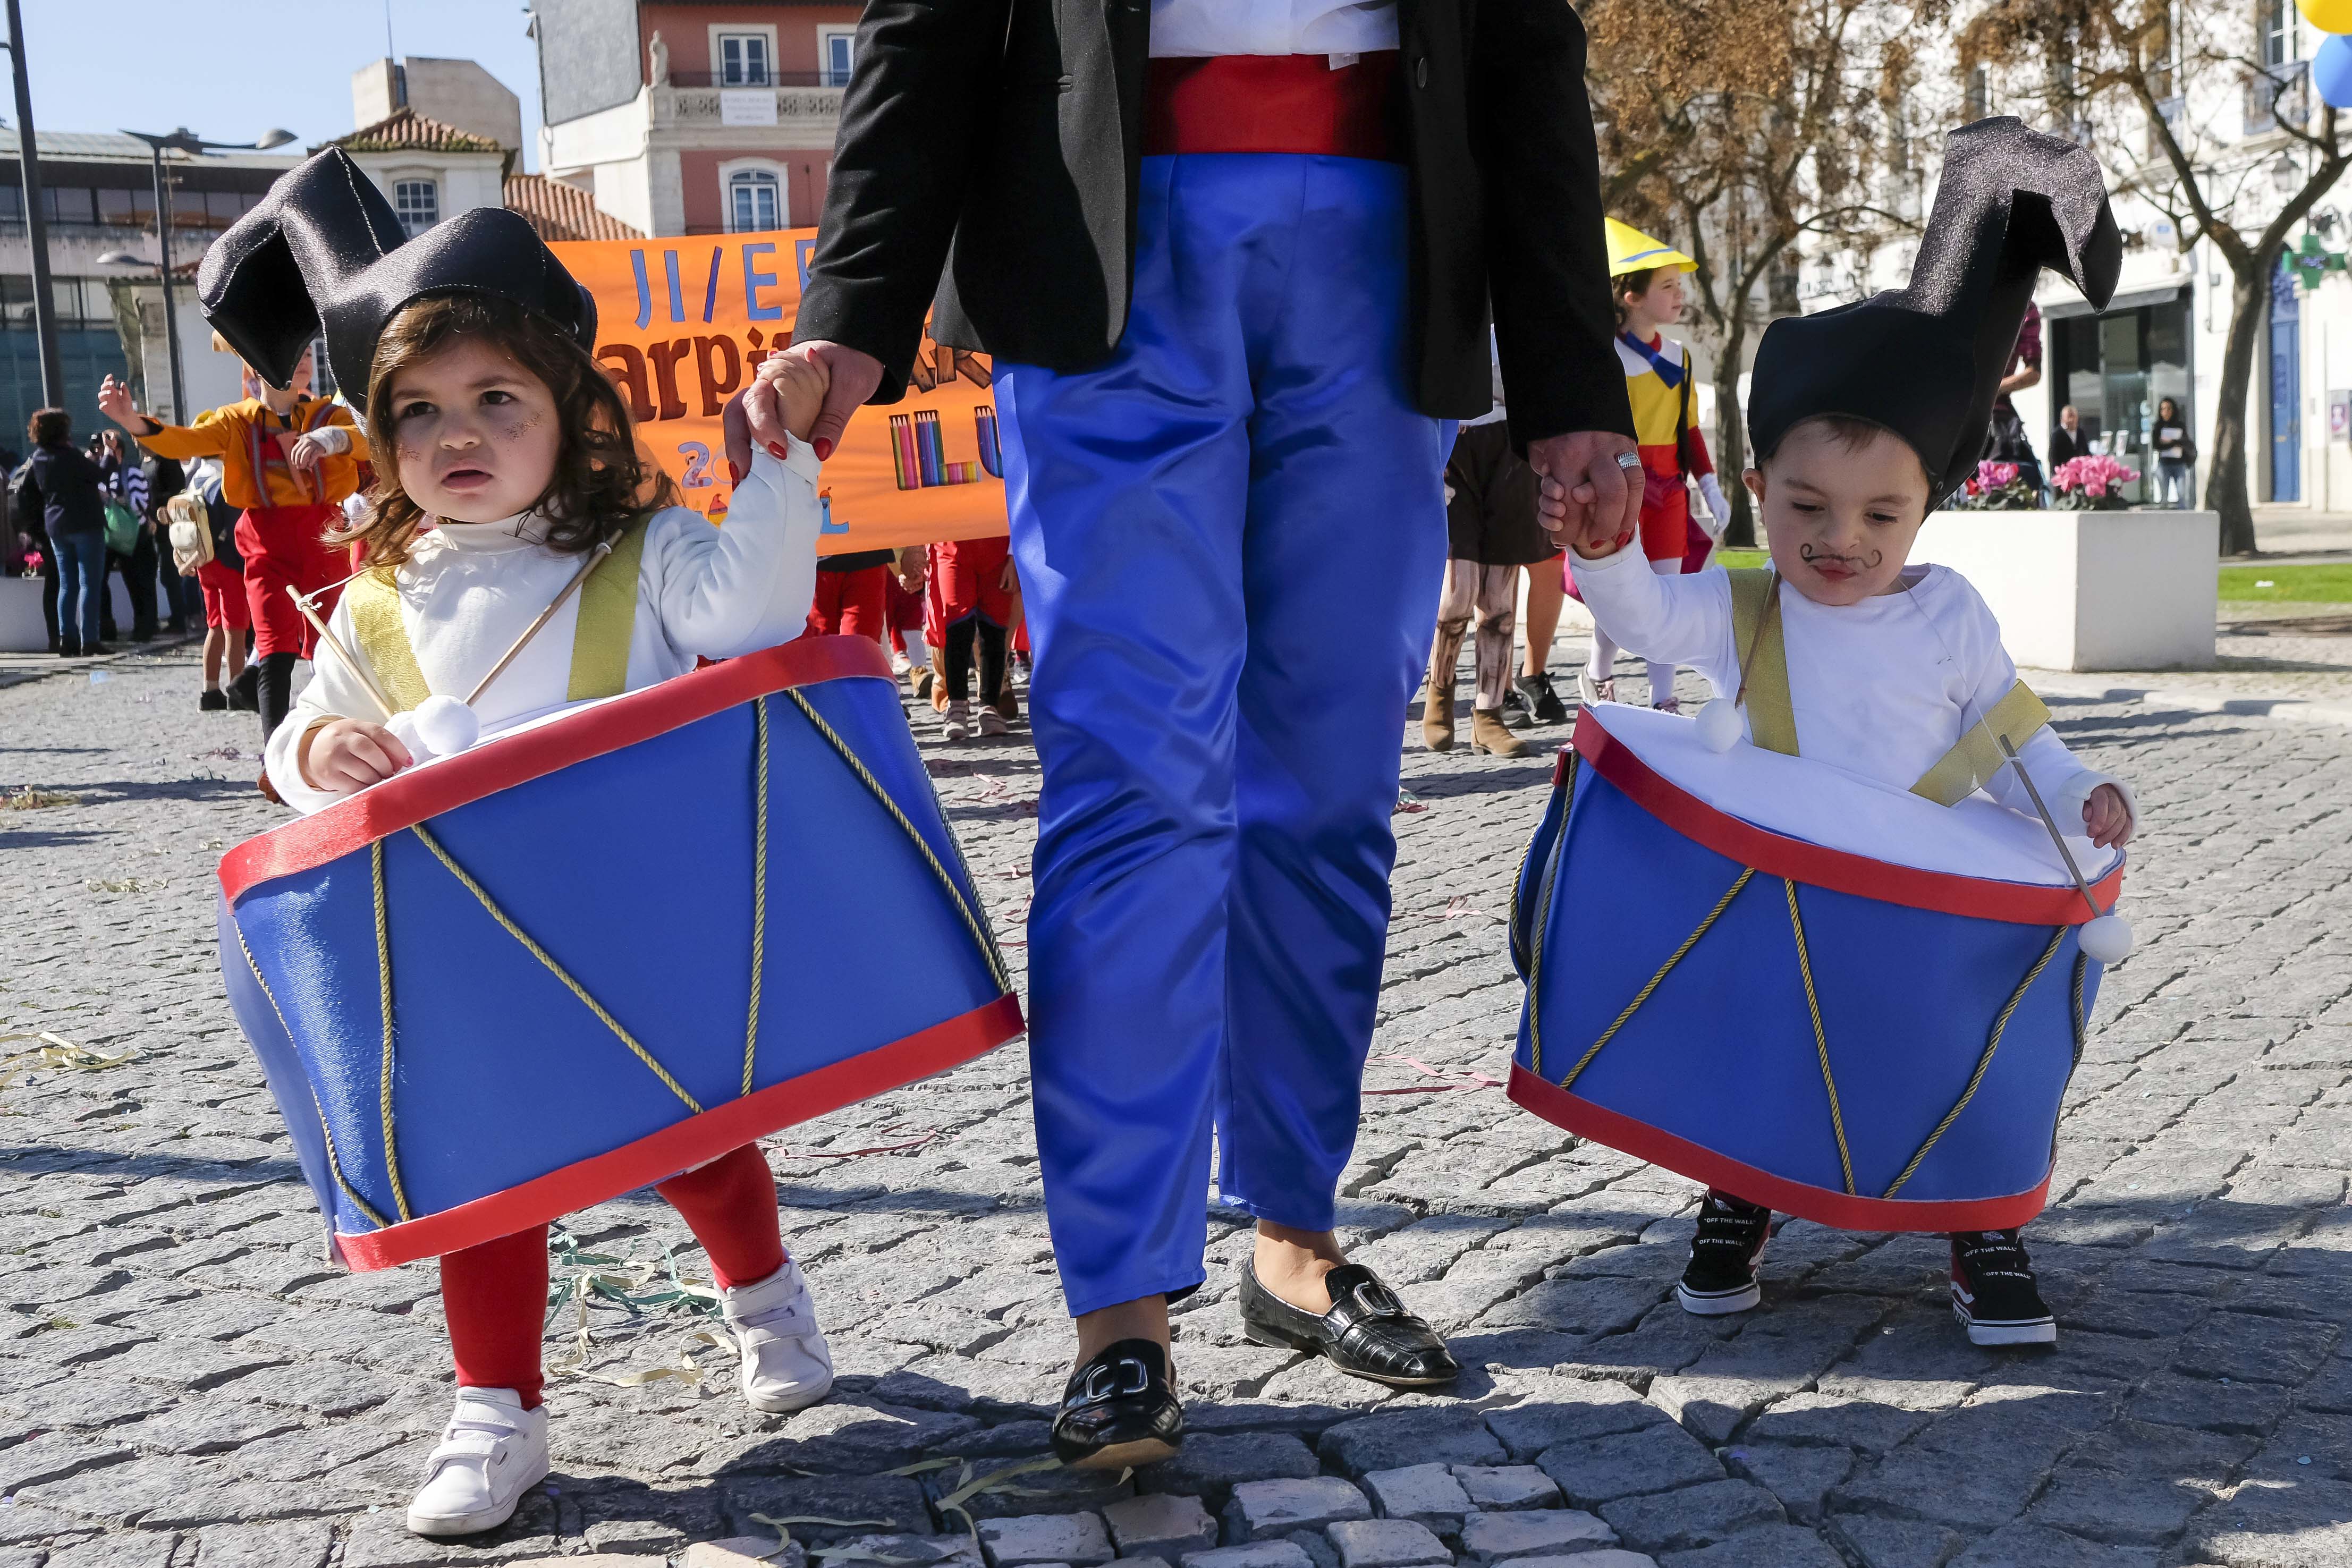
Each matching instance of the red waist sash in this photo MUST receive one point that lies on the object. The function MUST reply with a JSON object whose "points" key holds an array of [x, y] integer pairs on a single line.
{"points": [[1272, 103]]}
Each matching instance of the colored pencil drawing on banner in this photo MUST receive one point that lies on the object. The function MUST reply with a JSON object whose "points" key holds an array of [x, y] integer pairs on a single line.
{"points": [[683, 323]]}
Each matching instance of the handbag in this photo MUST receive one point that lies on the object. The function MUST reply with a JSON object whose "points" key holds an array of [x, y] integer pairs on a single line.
{"points": [[121, 528], [190, 533]]}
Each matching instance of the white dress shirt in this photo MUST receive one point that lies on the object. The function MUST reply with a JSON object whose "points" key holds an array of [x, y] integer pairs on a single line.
{"points": [[1198, 27], [470, 588], [1881, 689]]}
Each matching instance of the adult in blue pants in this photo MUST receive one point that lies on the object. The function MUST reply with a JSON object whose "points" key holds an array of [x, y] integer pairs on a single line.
{"points": [[1234, 260]]}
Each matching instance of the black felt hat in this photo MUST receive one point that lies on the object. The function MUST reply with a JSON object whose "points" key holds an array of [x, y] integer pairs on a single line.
{"points": [[1927, 360], [324, 247]]}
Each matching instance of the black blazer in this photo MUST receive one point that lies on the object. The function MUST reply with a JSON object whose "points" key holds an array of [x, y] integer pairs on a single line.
{"points": [[2063, 448], [990, 150]]}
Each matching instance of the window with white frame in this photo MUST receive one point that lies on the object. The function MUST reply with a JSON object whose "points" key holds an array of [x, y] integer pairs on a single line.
{"points": [[745, 59], [2274, 23], [417, 204], [836, 53], [754, 200]]}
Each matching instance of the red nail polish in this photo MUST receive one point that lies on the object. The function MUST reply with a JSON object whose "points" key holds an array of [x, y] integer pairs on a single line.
{"points": [[734, 472], [776, 450], [823, 449]]}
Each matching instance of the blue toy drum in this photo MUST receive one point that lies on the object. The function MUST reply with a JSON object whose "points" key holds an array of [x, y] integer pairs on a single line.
{"points": [[1845, 1001], [604, 948]]}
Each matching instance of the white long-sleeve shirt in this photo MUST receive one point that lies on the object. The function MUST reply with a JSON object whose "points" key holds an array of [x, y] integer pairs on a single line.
{"points": [[470, 588], [1881, 689], [1198, 27]]}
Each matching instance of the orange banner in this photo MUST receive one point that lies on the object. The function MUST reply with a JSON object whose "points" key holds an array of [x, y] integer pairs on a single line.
{"points": [[680, 323]]}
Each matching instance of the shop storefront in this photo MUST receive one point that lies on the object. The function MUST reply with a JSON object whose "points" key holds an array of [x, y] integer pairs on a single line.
{"points": [[2114, 367]]}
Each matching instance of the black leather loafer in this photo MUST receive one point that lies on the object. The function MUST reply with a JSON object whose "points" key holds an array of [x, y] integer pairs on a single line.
{"points": [[1367, 1333], [1118, 1411]]}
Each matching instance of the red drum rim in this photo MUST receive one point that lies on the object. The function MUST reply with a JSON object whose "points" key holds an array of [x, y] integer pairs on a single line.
{"points": [[412, 797], [1776, 854], [1822, 1206], [662, 1154]]}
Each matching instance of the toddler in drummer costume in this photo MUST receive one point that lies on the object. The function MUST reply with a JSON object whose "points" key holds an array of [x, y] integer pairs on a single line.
{"points": [[511, 466], [1889, 665]]}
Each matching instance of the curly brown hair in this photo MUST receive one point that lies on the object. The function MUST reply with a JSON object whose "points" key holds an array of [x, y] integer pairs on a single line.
{"points": [[49, 427], [602, 479]]}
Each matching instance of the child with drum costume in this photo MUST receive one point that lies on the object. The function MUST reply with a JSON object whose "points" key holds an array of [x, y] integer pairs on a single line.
{"points": [[1899, 778], [511, 481], [1647, 278]]}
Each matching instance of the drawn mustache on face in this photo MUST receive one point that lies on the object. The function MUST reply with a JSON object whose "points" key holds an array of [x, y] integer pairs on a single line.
{"points": [[1811, 556]]}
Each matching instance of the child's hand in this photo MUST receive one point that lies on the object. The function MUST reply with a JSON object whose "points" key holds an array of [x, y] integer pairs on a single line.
{"points": [[2106, 819], [1009, 581], [348, 754], [786, 393]]}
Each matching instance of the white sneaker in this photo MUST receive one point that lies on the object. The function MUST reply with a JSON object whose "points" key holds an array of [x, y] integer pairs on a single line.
{"points": [[492, 1452], [787, 1366], [990, 721], [955, 724]]}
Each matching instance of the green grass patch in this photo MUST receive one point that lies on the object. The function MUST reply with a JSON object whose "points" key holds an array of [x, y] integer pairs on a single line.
{"points": [[2328, 584], [1734, 560]]}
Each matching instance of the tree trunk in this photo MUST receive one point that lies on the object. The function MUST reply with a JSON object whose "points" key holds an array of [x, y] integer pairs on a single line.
{"points": [[1731, 437], [2226, 484]]}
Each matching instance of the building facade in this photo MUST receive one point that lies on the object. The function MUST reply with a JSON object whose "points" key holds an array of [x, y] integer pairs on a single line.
{"points": [[98, 196], [694, 119]]}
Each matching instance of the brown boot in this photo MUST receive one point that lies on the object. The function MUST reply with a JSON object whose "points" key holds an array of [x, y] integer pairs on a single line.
{"points": [[1437, 720], [1488, 733]]}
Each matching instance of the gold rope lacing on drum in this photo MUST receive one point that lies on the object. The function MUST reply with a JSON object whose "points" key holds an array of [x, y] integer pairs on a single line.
{"points": [[1992, 1044], [973, 921], [759, 887], [1820, 1036], [334, 1165], [1643, 995], [557, 971], [383, 1000]]}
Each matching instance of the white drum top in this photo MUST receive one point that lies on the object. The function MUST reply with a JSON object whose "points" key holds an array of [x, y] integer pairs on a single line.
{"points": [[1828, 806]]}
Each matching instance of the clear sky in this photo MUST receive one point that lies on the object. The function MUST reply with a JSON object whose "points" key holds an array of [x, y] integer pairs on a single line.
{"points": [[230, 72]]}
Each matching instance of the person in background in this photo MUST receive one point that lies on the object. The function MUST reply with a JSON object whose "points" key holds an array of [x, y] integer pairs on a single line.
{"points": [[161, 478], [24, 516], [853, 595], [220, 590], [127, 480], [2176, 457], [2007, 442], [70, 490], [2066, 442]]}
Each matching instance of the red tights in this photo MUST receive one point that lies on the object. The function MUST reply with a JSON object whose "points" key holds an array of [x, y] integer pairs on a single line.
{"points": [[495, 1295]]}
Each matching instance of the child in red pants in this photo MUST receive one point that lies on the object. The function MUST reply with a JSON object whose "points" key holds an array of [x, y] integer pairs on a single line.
{"points": [[972, 589]]}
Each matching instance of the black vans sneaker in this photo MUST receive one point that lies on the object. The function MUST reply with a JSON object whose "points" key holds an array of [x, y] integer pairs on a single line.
{"points": [[1993, 1291], [1721, 1279], [1541, 701]]}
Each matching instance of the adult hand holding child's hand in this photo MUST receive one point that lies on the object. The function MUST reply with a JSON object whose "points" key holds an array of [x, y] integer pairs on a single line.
{"points": [[344, 754], [1584, 497], [786, 395]]}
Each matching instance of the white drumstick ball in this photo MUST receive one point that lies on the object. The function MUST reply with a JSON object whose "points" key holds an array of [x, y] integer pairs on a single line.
{"points": [[1718, 724], [404, 727], [2109, 938], [447, 725]]}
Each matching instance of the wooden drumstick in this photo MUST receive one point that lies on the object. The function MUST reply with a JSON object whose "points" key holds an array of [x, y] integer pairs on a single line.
{"points": [[358, 673], [2050, 822], [595, 557]]}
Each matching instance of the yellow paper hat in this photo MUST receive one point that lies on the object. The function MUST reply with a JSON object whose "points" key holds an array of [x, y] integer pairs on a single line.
{"points": [[1630, 250]]}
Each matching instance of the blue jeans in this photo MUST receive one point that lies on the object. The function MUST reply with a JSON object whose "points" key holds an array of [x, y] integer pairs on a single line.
{"points": [[2177, 483], [81, 581], [1231, 537]]}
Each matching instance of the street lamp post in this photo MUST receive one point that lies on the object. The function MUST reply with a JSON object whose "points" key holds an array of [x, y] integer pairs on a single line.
{"points": [[188, 142]]}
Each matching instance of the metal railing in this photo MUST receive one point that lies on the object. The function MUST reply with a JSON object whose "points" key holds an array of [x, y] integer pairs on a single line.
{"points": [[769, 79]]}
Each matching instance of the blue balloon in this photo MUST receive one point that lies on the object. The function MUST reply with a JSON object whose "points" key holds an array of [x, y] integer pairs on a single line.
{"points": [[2331, 72]]}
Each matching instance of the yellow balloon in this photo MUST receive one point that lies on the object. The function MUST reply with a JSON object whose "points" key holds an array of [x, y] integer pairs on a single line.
{"points": [[2327, 16]]}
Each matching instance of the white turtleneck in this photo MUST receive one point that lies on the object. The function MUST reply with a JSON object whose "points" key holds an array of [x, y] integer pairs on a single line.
{"points": [[469, 589], [1882, 688]]}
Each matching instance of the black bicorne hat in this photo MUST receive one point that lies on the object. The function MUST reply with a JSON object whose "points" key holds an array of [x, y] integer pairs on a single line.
{"points": [[324, 247], [1927, 360]]}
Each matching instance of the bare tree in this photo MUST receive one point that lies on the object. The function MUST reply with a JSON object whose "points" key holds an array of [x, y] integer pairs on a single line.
{"points": [[2115, 73], [1748, 132]]}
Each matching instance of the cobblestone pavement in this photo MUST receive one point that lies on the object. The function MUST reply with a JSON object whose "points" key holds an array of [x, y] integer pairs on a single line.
{"points": [[182, 1382]]}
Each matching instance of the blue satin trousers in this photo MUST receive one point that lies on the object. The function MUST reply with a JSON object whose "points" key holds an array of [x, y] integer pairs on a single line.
{"points": [[1230, 538]]}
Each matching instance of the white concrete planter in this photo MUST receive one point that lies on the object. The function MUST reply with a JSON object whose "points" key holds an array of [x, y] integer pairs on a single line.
{"points": [[2089, 591], [22, 630]]}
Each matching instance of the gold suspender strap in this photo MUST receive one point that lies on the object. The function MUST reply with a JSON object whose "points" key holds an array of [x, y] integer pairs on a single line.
{"points": [[1763, 659], [608, 618], [1976, 758], [374, 602]]}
